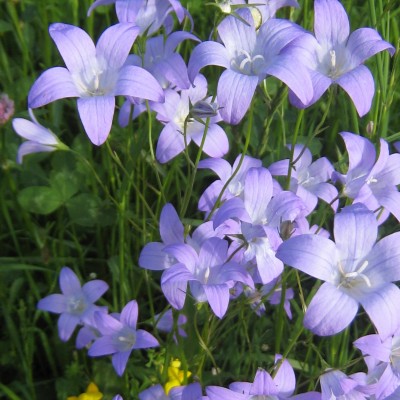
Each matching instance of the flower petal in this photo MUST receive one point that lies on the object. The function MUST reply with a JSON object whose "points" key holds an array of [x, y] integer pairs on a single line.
{"points": [[119, 361], [137, 82], [331, 23], [207, 53], [235, 92], [382, 307], [30, 148], [129, 314], [216, 142], [94, 289], [171, 227], [102, 346], [330, 311], [359, 85], [54, 84], [144, 340], [69, 282], [115, 44], [96, 114], [66, 325], [170, 143], [75, 46], [313, 254], [355, 231], [56, 303]]}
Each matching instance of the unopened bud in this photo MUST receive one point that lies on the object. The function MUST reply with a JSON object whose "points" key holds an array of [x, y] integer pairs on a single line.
{"points": [[370, 128], [204, 109]]}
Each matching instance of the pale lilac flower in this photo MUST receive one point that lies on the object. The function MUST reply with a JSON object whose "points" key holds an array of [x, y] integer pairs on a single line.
{"points": [[264, 386], [94, 74], [249, 56], [148, 15], [180, 129], [309, 180], [261, 215], [334, 56], [356, 270], [383, 360], [208, 273], [337, 385], [225, 171], [75, 304], [153, 256], [120, 337], [373, 183], [6, 108], [39, 138], [167, 66]]}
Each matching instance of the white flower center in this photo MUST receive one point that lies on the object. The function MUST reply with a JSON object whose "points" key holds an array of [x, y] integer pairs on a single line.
{"points": [[125, 339], [95, 80], [77, 305], [247, 63], [352, 279]]}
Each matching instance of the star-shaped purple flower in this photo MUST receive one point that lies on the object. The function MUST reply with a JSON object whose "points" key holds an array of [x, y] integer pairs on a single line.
{"points": [[356, 270], [336, 56], [249, 55], [75, 304], [94, 74], [120, 337]]}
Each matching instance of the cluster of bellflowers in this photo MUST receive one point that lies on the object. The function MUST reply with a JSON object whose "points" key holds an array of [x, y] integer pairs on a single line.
{"points": [[253, 226]]}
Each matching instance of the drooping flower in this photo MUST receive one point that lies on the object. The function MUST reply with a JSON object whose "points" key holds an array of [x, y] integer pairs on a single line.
{"points": [[94, 74], [75, 304], [334, 56], [120, 337], [249, 56], [356, 270], [39, 138]]}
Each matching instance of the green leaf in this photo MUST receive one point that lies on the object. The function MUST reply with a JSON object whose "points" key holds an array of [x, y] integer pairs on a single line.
{"points": [[65, 183], [86, 209], [39, 199]]}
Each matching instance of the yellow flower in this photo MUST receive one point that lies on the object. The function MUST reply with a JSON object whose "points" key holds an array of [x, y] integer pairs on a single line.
{"points": [[92, 393], [176, 376]]}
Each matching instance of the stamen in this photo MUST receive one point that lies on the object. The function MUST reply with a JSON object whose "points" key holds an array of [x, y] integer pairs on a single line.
{"points": [[333, 58]]}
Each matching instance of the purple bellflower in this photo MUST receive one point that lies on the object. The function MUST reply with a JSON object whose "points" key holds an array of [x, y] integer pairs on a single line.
{"points": [[334, 56], [225, 171], [94, 74], [148, 15], [383, 360], [75, 304], [39, 138], [249, 56], [180, 129], [167, 66], [337, 385], [260, 215], [120, 337], [356, 270], [373, 183], [264, 386], [209, 274], [308, 179], [153, 256]]}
